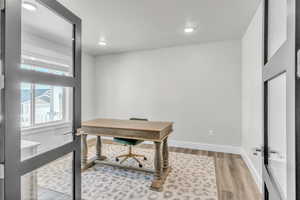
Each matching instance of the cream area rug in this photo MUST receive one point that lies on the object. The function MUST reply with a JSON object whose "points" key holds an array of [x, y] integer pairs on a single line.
{"points": [[192, 178]]}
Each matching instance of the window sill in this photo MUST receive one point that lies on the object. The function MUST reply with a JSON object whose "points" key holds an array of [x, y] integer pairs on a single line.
{"points": [[65, 127], [25, 144]]}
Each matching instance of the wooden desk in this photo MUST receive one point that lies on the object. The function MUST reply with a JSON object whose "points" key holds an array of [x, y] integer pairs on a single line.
{"points": [[156, 132]]}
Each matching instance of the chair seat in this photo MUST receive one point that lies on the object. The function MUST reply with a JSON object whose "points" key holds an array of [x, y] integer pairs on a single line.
{"points": [[127, 141]]}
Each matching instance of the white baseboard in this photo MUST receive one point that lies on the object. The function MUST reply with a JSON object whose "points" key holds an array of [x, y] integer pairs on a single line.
{"points": [[254, 172], [206, 147], [200, 146]]}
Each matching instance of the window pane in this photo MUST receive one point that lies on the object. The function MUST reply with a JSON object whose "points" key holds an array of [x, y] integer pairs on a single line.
{"points": [[46, 47], [26, 102], [51, 122], [277, 24], [277, 131], [49, 103], [52, 181]]}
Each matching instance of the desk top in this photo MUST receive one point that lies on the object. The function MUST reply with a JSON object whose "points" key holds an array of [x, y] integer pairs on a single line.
{"points": [[135, 125]]}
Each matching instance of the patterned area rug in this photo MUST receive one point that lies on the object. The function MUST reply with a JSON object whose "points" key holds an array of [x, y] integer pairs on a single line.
{"points": [[192, 178]]}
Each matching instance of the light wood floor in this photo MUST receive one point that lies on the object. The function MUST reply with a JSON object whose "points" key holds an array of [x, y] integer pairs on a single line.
{"points": [[234, 180]]}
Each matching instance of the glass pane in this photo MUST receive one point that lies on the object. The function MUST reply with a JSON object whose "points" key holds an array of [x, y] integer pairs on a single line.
{"points": [[47, 40], [52, 181], [43, 69], [49, 103], [277, 131], [277, 24], [26, 104], [46, 118]]}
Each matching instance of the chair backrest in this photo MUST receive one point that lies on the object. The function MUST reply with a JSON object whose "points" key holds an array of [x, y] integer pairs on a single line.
{"points": [[140, 119]]}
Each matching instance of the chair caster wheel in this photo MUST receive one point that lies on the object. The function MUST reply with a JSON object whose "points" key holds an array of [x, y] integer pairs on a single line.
{"points": [[140, 165], [117, 159], [145, 158]]}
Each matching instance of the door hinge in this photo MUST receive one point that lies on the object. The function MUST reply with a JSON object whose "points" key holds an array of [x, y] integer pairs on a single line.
{"points": [[1, 171]]}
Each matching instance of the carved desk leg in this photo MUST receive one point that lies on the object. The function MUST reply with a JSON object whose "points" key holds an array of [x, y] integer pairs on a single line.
{"points": [[84, 151], [166, 154], [99, 149], [157, 182], [166, 166]]}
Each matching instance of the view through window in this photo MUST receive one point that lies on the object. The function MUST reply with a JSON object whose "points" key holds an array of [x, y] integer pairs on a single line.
{"points": [[42, 104]]}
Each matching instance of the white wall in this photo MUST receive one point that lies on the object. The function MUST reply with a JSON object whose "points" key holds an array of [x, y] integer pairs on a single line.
{"points": [[252, 62], [197, 86], [88, 77]]}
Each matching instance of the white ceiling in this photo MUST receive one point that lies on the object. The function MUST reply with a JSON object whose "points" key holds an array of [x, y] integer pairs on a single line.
{"points": [[129, 25]]}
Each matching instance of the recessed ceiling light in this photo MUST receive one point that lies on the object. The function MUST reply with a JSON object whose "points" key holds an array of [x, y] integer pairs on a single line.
{"points": [[29, 6], [189, 29], [102, 43]]}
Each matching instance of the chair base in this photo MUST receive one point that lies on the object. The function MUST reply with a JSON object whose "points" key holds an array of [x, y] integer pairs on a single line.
{"points": [[131, 155]]}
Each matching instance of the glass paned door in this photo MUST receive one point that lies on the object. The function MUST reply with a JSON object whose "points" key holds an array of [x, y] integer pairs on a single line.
{"points": [[42, 108], [279, 80]]}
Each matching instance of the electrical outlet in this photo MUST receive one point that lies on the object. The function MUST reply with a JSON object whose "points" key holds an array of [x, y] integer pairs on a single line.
{"points": [[210, 132]]}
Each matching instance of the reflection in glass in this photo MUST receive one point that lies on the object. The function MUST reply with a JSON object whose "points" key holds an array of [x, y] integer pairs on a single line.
{"points": [[26, 97], [52, 181], [277, 131], [48, 103], [277, 25], [46, 47], [44, 69], [46, 118]]}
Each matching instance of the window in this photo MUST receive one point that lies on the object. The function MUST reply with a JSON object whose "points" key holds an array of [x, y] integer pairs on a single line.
{"points": [[46, 113], [43, 104], [26, 103]]}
